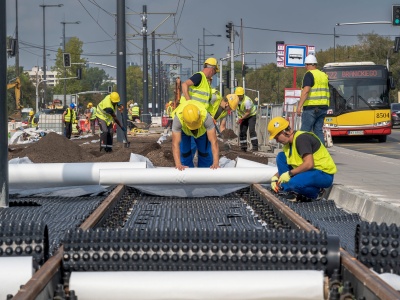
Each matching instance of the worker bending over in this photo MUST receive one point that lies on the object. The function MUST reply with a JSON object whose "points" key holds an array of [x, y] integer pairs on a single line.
{"points": [[305, 166], [193, 121], [220, 106], [106, 115]]}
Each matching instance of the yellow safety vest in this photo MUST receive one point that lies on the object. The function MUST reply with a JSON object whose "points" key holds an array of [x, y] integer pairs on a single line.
{"points": [[215, 104], [70, 117], [32, 121], [241, 110], [203, 113], [202, 92], [93, 115], [100, 112], [135, 111], [322, 159], [319, 93], [169, 110]]}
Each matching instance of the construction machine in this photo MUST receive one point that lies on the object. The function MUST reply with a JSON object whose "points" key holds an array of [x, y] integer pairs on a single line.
{"points": [[16, 84]]}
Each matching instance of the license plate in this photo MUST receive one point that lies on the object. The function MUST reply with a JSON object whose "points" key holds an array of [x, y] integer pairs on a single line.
{"points": [[356, 132]]}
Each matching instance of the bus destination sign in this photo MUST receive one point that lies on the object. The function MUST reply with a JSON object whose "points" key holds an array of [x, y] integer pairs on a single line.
{"points": [[364, 73]]}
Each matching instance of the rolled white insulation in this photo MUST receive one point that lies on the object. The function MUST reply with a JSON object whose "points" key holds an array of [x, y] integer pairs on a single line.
{"points": [[188, 176], [14, 271], [218, 285], [245, 163], [63, 174]]}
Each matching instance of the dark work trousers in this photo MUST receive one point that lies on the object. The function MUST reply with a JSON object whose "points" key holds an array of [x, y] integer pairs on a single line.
{"points": [[248, 124], [68, 130], [93, 126], [106, 135]]}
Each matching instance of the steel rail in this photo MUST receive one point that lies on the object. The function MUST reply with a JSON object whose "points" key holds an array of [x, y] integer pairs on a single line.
{"points": [[373, 282]]}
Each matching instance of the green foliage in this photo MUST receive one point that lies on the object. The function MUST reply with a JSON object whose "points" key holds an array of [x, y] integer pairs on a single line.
{"points": [[134, 85]]}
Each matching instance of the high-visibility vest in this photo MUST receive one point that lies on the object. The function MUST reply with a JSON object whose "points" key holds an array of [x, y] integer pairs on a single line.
{"points": [[319, 93], [202, 92], [241, 110], [322, 159], [100, 112], [93, 115], [70, 116], [135, 111], [32, 121], [215, 103], [203, 113]]}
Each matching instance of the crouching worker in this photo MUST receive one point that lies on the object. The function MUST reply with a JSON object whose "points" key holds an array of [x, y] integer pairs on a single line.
{"points": [[193, 121], [106, 115], [305, 166]]}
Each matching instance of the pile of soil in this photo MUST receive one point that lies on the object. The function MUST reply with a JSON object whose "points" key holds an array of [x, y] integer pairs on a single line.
{"points": [[55, 148], [228, 134]]}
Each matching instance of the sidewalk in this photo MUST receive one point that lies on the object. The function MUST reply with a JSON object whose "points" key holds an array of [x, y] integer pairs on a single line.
{"points": [[367, 184]]}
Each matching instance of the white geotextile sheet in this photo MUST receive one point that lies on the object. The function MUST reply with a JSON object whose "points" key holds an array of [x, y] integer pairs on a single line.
{"points": [[197, 285], [14, 272]]}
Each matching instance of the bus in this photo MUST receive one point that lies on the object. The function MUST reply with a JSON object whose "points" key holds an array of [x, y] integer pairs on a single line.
{"points": [[359, 100]]}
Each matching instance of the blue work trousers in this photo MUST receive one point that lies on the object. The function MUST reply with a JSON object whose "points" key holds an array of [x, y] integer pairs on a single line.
{"points": [[312, 120], [307, 183], [188, 147]]}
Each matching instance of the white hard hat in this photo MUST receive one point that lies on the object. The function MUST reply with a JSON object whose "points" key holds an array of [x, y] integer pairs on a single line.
{"points": [[310, 59], [135, 104], [131, 105]]}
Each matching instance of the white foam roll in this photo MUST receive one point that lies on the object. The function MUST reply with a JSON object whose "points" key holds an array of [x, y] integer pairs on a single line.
{"points": [[218, 285], [245, 163], [14, 272], [188, 176], [62, 174]]}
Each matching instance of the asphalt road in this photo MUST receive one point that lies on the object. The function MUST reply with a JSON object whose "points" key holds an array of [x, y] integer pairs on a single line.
{"points": [[371, 146]]}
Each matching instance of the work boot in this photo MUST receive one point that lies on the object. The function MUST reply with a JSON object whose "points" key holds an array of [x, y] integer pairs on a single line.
{"points": [[244, 149]]}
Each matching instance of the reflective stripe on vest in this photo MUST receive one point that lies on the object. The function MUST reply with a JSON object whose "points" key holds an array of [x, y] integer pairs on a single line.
{"points": [[319, 93], [68, 116], [202, 92], [100, 112], [322, 159], [241, 110], [135, 111], [203, 113]]}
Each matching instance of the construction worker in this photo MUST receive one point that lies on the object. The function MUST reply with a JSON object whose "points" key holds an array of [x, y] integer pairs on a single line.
{"points": [[305, 166], [193, 122], [130, 111], [69, 117], [247, 114], [33, 120], [314, 98], [220, 106], [106, 116], [91, 116], [198, 87], [169, 108], [135, 112]]}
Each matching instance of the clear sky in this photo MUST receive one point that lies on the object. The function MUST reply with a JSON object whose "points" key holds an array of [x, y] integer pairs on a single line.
{"points": [[305, 22]]}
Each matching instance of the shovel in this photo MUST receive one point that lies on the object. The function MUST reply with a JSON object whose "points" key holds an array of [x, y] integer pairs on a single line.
{"points": [[227, 147], [127, 144]]}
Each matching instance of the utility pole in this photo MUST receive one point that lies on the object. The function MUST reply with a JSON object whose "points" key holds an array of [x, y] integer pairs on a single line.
{"points": [[3, 109], [121, 64], [145, 116], [153, 75], [159, 78], [232, 40], [17, 41]]}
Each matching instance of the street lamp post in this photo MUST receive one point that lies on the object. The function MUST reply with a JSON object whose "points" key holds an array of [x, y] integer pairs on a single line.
{"points": [[44, 41], [65, 70], [37, 94], [204, 41]]}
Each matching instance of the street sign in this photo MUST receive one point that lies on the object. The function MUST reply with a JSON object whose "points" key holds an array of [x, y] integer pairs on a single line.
{"points": [[311, 50], [295, 55], [280, 55]]}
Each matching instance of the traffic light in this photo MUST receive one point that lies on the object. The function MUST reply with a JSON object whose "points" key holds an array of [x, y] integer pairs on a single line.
{"points": [[12, 46], [229, 27], [396, 46], [109, 88], [79, 73], [227, 79], [67, 59], [396, 15]]}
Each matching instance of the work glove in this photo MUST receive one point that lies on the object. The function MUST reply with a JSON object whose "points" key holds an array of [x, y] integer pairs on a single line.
{"points": [[240, 121], [285, 177], [274, 184], [123, 128]]}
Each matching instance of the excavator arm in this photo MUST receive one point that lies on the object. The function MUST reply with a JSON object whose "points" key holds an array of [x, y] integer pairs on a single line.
{"points": [[17, 89]]}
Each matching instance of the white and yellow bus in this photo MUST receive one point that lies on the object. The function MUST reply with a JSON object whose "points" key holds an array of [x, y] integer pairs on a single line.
{"points": [[359, 100]]}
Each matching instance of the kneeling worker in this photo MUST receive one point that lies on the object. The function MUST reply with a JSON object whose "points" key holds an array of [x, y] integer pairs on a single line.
{"points": [[193, 121], [305, 166], [106, 115]]}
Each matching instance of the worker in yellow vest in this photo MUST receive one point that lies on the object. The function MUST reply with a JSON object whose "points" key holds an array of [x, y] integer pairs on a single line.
{"points": [[106, 116], [221, 106], [33, 120], [193, 122], [91, 116], [69, 117], [169, 108], [135, 112]]}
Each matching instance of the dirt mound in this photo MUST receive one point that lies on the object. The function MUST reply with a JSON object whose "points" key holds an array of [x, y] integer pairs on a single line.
{"points": [[54, 148], [228, 134]]}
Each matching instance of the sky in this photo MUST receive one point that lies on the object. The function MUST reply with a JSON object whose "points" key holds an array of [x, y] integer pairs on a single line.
{"points": [[180, 24]]}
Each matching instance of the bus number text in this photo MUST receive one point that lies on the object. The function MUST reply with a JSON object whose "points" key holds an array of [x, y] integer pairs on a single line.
{"points": [[382, 115]]}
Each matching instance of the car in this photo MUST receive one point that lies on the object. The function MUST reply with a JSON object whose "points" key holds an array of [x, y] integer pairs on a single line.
{"points": [[395, 113]]}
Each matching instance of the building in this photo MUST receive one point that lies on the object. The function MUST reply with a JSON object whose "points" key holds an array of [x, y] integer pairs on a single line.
{"points": [[36, 75]]}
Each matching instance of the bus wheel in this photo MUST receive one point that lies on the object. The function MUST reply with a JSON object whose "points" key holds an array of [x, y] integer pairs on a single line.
{"points": [[382, 138]]}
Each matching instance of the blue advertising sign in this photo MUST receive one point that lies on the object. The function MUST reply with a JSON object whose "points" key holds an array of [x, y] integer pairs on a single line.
{"points": [[295, 55]]}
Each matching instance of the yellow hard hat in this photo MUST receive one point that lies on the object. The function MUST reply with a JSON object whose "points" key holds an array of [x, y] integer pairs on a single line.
{"points": [[192, 116], [239, 91], [211, 61], [31, 113], [90, 104], [233, 101], [114, 96], [276, 125]]}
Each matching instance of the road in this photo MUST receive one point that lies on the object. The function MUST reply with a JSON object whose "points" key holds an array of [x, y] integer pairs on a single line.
{"points": [[367, 145]]}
